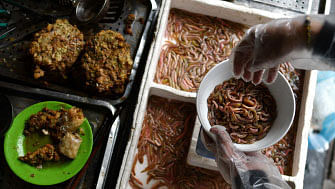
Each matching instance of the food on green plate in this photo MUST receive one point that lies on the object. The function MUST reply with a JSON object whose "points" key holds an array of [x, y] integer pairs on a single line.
{"points": [[55, 123], [55, 49], [43, 154], [105, 67], [63, 127], [69, 145]]}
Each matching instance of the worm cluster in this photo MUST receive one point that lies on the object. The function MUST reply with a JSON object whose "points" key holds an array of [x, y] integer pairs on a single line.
{"points": [[247, 111], [194, 44], [165, 138]]}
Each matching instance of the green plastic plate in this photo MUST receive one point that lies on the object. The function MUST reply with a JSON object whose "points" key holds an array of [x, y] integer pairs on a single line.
{"points": [[16, 144]]}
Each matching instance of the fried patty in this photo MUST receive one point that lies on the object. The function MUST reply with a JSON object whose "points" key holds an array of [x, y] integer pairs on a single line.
{"points": [[55, 49], [106, 64]]}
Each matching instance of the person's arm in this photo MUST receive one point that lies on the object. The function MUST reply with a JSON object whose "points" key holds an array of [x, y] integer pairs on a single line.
{"points": [[305, 41], [243, 170], [324, 39], [255, 176]]}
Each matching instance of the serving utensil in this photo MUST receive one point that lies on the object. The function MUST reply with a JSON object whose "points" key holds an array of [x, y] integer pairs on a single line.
{"points": [[90, 11]]}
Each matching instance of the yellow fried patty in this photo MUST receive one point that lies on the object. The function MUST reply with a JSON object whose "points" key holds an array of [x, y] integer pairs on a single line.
{"points": [[56, 48], [106, 63]]}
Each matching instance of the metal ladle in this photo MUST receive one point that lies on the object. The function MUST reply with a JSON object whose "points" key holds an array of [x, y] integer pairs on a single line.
{"points": [[6, 114], [90, 11], [86, 11]]}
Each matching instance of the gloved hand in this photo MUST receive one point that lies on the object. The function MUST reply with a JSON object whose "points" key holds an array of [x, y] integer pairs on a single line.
{"points": [[248, 170], [265, 46]]}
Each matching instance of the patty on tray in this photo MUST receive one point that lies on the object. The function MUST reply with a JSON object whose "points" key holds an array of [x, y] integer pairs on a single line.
{"points": [[55, 49], [106, 64]]}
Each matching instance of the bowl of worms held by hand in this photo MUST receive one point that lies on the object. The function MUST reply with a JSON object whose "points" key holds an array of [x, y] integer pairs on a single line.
{"points": [[255, 116]]}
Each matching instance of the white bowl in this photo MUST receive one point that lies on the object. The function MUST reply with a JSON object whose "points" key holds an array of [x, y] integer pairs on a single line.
{"points": [[280, 90]]}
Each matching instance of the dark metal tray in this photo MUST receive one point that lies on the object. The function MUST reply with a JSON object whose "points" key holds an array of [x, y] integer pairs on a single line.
{"points": [[100, 114], [15, 62]]}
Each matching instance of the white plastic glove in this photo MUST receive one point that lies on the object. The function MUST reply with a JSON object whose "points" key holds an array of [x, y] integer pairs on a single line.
{"points": [[265, 46], [239, 168]]}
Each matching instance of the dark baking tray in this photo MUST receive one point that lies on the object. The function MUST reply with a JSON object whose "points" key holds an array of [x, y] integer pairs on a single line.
{"points": [[100, 114], [15, 61]]}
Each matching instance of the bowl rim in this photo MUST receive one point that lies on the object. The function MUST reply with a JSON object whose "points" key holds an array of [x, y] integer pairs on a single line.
{"points": [[238, 146]]}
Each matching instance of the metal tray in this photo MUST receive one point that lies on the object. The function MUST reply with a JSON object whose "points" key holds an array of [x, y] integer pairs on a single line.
{"points": [[100, 114], [295, 5], [285, 7], [15, 61]]}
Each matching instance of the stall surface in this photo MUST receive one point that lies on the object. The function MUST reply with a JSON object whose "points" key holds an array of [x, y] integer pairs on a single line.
{"points": [[228, 11]]}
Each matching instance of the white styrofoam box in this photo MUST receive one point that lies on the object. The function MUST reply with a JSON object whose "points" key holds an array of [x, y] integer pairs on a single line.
{"points": [[220, 9]]}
